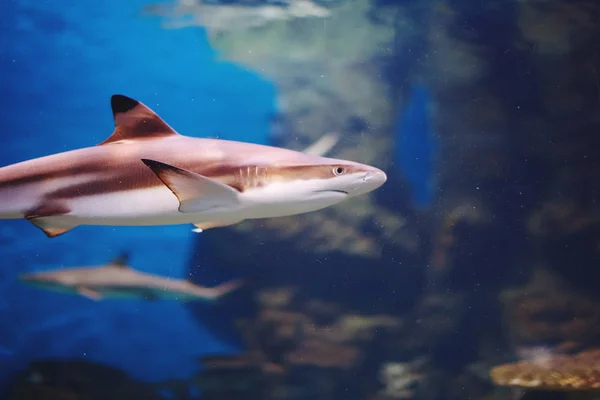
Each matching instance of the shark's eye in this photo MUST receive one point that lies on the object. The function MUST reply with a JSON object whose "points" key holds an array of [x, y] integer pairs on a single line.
{"points": [[339, 171]]}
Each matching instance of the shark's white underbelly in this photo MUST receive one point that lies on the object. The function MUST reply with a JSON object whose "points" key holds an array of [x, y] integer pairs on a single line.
{"points": [[159, 206], [152, 206]]}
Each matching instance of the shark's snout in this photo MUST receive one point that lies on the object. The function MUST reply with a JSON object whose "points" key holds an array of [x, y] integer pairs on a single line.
{"points": [[376, 176], [370, 180]]}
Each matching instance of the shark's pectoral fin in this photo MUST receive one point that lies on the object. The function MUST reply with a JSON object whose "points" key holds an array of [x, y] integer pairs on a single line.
{"points": [[202, 226], [196, 193], [44, 217], [89, 293]]}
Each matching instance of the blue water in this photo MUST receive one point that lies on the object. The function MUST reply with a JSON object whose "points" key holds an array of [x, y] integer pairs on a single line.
{"points": [[62, 63], [416, 146]]}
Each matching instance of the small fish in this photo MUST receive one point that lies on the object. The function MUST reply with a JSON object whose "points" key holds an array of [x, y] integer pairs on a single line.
{"points": [[117, 280], [147, 174]]}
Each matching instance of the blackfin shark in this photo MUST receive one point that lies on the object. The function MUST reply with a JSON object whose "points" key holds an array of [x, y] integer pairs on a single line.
{"points": [[117, 280], [147, 174]]}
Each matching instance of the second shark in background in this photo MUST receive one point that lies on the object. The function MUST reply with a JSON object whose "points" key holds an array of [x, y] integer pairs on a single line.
{"points": [[117, 280]]}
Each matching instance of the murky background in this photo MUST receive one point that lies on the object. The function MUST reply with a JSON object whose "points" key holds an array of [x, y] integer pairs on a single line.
{"points": [[479, 252]]}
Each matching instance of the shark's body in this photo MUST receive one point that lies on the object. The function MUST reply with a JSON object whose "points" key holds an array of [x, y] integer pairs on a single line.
{"points": [[117, 280], [148, 174]]}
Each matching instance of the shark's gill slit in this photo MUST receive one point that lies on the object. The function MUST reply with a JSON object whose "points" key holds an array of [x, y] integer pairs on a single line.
{"points": [[266, 181], [256, 176]]}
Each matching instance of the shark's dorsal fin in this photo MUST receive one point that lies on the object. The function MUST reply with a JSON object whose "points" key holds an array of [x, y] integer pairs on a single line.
{"points": [[135, 121], [120, 261]]}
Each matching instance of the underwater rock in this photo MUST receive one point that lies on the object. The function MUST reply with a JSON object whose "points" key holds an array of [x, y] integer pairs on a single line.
{"points": [[78, 379], [290, 355], [566, 235], [557, 372], [554, 28], [549, 312], [237, 376], [323, 354], [516, 97], [273, 259]]}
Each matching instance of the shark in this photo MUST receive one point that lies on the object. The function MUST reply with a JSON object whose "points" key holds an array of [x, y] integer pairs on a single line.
{"points": [[147, 174], [117, 279]]}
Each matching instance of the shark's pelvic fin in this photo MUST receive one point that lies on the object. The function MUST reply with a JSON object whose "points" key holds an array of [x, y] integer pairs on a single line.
{"points": [[121, 261], [42, 217], [89, 293], [196, 193], [134, 120], [202, 226], [47, 228]]}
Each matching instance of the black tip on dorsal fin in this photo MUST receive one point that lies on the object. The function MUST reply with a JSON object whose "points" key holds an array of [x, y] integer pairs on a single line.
{"points": [[121, 260], [135, 121], [122, 104]]}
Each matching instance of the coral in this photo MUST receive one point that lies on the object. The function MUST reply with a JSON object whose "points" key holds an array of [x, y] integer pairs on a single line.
{"points": [[557, 372]]}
